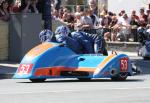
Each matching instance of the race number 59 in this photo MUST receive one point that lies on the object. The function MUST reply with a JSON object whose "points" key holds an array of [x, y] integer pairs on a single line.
{"points": [[123, 64], [24, 68]]}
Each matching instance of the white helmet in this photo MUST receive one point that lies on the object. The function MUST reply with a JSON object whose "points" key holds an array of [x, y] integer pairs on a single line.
{"points": [[45, 35], [62, 30]]}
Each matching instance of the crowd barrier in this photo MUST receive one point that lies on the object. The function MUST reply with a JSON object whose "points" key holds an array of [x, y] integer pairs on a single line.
{"points": [[101, 31], [4, 40]]}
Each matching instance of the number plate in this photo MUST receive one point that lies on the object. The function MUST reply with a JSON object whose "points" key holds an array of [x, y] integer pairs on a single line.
{"points": [[25, 68], [123, 64]]}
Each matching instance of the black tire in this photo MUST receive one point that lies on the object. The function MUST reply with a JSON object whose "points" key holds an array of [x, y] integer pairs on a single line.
{"points": [[146, 58], [84, 79], [120, 77], [38, 80]]}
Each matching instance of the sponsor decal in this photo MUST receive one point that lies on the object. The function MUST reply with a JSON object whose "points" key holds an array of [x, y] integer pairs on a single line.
{"points": [[24, 68]]}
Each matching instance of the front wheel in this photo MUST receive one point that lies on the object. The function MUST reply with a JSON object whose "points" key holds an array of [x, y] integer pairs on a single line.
{"points": [[84, 79], [120, 77], [38, 80]]}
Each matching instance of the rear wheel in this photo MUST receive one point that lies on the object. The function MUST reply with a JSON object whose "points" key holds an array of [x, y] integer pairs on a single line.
{"points": [[120, 77], [38, 80], [146, 58]]}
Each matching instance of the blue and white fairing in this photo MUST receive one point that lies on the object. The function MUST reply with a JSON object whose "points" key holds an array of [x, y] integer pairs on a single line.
{"points": [[52, 60]]}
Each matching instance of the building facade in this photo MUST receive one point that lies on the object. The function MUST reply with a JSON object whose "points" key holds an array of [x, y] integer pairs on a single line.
{"points": [[127, 5], [112, 5]]}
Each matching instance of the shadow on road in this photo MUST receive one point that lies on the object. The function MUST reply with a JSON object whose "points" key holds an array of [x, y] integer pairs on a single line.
{"points": [[90, 81]]}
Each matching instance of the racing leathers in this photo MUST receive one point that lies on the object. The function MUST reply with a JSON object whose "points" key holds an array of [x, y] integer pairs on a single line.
{"points": [[70, 42], [92, 43]]}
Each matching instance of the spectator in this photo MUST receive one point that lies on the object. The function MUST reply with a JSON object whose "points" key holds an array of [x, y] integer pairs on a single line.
{"points": [[149, 19], [106, 20], [61, 13], [134, 22], [78, 10], [104, 10], [30, 6], [55, 4], [68, 19], [114, 29], [93, 6], [15, 7], [134, 16], [58, 3], [148, 16], [86, 21], [77, 24], [95, 19], [142, 17], [4, 12], [125, 28], [113, 21], [66, 10], [55, 14], [122, 12]]}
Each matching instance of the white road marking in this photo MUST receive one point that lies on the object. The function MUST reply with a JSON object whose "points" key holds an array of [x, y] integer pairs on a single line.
{"points": [[33, 92], [131, 88], [67, 91]]}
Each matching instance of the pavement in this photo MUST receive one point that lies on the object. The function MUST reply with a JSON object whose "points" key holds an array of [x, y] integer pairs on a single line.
{"points": [[7, 68]]}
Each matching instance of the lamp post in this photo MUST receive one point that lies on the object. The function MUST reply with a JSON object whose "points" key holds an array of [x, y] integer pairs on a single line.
{"points": [[47, 14]]}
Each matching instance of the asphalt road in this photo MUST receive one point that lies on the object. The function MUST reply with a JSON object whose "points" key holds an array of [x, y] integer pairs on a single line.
{"points": [[135, 90]]}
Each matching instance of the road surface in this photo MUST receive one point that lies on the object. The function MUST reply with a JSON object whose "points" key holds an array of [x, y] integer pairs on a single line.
{"points": [[135, 90]]}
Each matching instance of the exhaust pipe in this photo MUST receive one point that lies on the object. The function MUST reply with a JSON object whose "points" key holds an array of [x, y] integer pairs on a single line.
{"points": [[113, 72]]}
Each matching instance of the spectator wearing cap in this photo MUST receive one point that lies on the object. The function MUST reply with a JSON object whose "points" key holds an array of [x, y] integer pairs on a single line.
{"points": [[4, 12]]}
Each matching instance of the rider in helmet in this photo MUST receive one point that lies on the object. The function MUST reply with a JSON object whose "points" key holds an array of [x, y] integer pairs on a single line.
{"points": [[45, 35], [147, 33], [62, 36], [141, 35], [92, 43], [147, 42]]}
